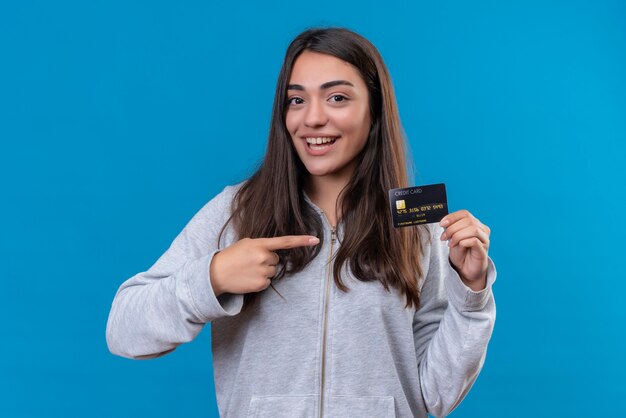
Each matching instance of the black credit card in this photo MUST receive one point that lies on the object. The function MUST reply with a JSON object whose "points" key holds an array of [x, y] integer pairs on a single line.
{"points": [[418, 205]]}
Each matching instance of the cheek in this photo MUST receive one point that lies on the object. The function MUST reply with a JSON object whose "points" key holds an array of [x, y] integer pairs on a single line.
{"points": [[289, 124], [359, 127]]}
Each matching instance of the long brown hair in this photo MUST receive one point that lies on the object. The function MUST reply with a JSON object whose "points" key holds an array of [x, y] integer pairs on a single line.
{"points": [[271, 203]]}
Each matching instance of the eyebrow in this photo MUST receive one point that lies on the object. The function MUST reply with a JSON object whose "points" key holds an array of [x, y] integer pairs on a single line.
{"points": [[324, 86]]}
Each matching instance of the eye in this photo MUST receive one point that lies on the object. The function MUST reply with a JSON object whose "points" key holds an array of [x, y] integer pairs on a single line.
{"points": [[294, 100], [337, 98]]}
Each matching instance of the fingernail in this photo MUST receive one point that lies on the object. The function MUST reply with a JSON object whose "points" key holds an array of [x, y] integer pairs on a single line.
{"points": [[444, 222], [314, 240], [443, 236]]}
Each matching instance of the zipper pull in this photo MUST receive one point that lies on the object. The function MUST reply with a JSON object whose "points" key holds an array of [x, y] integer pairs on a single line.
{"points": [[333, 235]]}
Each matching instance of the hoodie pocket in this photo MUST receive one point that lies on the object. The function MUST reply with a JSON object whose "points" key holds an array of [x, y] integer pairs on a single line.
{"points": [[362, 406], [282, 406]]}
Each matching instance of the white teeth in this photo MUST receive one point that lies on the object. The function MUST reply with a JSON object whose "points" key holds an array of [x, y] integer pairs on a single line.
{"points": [[320, 140]]}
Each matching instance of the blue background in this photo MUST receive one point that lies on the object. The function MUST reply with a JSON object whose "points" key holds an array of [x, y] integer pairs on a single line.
{"points": [[120, 119]]}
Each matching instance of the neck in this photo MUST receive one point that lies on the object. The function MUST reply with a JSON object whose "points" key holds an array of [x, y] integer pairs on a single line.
{"points": [[324, 192]]}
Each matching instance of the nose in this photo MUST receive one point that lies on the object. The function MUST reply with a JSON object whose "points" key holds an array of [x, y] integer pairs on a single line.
{"points": [[315, 114]]}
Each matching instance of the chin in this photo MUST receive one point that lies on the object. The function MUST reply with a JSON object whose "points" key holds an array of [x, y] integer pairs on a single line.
{"points": [[316, 170]]}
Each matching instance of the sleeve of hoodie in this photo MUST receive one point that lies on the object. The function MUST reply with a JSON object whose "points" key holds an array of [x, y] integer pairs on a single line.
{"points": [[155, 311], [451, 328]]}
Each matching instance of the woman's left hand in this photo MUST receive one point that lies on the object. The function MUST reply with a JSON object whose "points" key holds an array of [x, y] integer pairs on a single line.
{"points": [[469, 245]]}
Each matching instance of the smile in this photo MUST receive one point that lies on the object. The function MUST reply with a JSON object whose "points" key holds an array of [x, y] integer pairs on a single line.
{"points": [[320, 143]]}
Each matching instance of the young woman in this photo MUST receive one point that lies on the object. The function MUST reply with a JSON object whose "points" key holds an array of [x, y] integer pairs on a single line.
{"points": [[361, 319]]}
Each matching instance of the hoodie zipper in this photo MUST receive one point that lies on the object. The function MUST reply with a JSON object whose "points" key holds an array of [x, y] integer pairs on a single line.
{"points": [[333, 237]]}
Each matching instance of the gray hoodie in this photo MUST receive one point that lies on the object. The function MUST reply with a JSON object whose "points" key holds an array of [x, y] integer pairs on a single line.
{"points": [[319, 352]]}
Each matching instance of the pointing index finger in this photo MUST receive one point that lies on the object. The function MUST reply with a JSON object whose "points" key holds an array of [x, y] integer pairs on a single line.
{"points": [[289, 241]]}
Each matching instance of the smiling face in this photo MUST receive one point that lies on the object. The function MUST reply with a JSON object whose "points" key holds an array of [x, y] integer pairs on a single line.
{"points": [[328, 114]]}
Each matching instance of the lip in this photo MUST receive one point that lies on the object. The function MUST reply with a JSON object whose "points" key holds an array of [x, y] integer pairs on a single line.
{"points": [[318, 135], [319, 152]]}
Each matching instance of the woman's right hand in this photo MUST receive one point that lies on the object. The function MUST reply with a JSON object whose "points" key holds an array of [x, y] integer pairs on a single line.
{"points": [[248, 265]]}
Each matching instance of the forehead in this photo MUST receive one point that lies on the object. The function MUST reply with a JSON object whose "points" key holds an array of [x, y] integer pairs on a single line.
{"points": [[313, 68]]}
